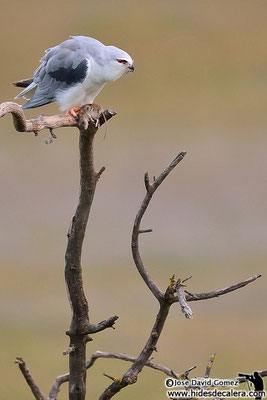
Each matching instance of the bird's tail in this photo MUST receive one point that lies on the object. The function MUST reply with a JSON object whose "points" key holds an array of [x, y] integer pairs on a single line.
{"points": [[28, 92], [23, 83]]}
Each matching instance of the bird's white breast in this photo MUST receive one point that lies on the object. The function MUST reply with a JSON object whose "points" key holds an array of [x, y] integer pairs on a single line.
{"points": [[84, 92], [78, 95]]}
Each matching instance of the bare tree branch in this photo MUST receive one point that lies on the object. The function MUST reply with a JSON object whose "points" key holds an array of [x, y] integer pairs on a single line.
{"points": [[186, 310], [131, 375], [165, 300], [55, 388], [42, 122], [119, 356], [89, 121], [100, 172], [145, 231], [29, 379], [126, 357], [90, 118], [159, 367], [209, 366], [100, 326], [68, 350], [150, 190], [220, 292]]}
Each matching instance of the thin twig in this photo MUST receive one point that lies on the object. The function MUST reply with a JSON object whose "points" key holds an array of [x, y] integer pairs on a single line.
{"points": [[100, 326], [68, 350], [145, 231], [186, 373], [108, 376], [100, 172], [220, 292], [186, 279], [29, 379], [150, 190]]}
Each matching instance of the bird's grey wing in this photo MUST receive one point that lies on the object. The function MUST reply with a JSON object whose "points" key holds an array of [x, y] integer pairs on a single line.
{"points": [[62, 67]]}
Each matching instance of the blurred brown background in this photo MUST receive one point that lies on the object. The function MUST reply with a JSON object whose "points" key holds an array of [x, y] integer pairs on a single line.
{"points": [[200, 85]]}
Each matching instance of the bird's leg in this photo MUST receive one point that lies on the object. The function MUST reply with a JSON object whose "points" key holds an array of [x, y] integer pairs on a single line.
{"points": [[73, 111]]}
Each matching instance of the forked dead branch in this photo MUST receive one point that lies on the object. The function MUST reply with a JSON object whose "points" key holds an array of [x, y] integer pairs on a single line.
{"points": [[90, 119]]}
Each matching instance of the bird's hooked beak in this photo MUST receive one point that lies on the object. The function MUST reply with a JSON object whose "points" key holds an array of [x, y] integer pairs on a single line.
{"points": [[131, 68]]}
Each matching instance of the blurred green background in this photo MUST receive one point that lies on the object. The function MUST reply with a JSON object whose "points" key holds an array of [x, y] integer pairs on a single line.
{"points": [[200, 84]]}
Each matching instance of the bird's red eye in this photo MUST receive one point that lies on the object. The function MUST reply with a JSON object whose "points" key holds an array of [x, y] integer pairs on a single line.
{"points": [[121, 61]]}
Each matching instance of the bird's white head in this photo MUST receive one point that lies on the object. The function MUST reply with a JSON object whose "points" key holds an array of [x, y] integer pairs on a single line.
{"points": [[119, 63]]}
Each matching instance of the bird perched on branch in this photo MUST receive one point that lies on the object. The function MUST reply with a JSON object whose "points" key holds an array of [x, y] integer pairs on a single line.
{"points": [[73, 73]]}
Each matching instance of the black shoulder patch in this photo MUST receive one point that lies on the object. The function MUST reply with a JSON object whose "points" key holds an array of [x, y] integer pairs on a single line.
{"points": [[70, 75]]}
